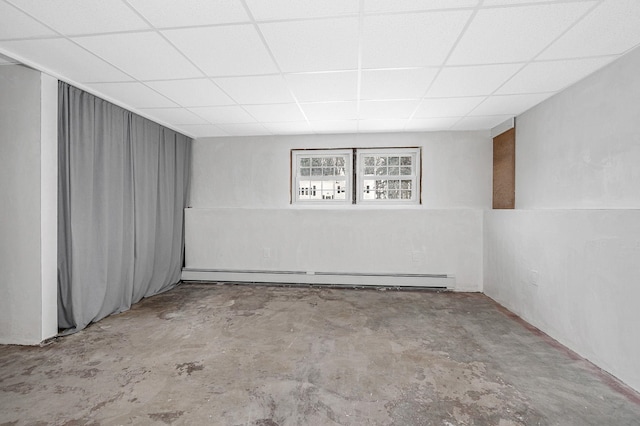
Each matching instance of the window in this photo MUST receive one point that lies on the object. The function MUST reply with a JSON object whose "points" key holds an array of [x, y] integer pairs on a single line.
{"points": [[388, 176], [322, 177], [381, 176]]}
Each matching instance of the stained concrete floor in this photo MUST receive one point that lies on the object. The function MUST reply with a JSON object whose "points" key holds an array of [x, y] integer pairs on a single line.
{"points": [[241, 355]]}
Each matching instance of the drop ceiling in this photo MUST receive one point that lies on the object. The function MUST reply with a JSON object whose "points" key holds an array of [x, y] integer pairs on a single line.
{"points": [[211, 68]]}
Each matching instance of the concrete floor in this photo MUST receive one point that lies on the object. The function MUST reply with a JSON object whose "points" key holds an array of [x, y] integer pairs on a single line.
{"points": [[240, 355]]}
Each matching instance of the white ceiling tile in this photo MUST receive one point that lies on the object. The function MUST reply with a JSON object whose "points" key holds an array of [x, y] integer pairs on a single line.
{"points": [[224, 50], [256, 89], [135, 95], [192, 93], [391, 125], [223, 114], [84, 16], [396, 84], [329, 86], [514, 34], [480, 122], [551, 76], [415, 5], [183, 13], [203, 130], [387, 109], [335, 126], [176, 116], [146, 56], [289, 128], [324, 111], [291, 9], [16, 24], [275, 113], [431, 124], [612, 28], [245, 129], [447, 107], [487, 3], [322, 45], [67, 59], [410, 40], [509, 104], [471, 81]]}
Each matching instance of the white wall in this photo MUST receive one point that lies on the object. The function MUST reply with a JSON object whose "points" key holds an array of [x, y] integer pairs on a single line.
{"points": [[581, 148], [240, 199], [27, 214], [569, 261]]}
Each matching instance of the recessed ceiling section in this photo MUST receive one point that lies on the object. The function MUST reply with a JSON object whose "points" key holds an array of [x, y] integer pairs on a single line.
{"points": [[74, 17], [145, 56], [224, 50], [188, 13]]}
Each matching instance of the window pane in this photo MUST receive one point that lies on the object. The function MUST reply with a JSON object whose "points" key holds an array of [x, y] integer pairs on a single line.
{"points": [[405, 170], [381, 161], [305, 162], [381, 171], [394, 194], [316, 161], [406, 195], [368, 189], [305, 171], [405, 161], [369, 171], [394, 171], [394, 184], [406, 184], [316, 171], [328, 171], [303, 190], [340, 161], [369, 161], [394, 161]]}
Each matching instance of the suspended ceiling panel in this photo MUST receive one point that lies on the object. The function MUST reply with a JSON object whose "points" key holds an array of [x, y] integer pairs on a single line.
{"points": [[212, 68]]}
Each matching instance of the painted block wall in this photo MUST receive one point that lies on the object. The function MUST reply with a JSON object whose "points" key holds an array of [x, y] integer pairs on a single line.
{"points": [[240, 208], [28, 211], [567, 260]]}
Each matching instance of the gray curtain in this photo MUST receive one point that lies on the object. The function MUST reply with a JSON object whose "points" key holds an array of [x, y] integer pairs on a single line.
{"points": [[123, 186]]}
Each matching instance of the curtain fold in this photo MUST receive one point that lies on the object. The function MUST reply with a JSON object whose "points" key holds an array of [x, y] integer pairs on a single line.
{"points": [[123, 185]]}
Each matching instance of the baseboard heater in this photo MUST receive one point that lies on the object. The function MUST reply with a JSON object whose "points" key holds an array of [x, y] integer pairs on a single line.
{"points": [[433, 281]]}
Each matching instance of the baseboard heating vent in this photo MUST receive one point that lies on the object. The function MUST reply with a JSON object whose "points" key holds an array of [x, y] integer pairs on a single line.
{"points": [[435, 281]]}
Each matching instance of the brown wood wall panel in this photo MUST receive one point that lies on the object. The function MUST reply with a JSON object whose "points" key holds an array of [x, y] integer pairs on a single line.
{"points": [[504, 170]]}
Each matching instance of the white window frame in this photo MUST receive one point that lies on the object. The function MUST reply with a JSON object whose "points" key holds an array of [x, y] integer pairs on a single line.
{"points": [[296, 178], [414, 177]]}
